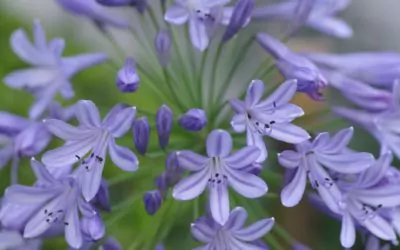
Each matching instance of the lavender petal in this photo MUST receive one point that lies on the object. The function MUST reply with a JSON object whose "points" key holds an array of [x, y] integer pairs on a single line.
{"points": [[219, 143], [256, 230], [191, 161], [248, 185], [123, 157], [191, 186]]}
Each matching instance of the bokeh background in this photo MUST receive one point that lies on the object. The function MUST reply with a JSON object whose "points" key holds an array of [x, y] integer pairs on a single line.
{"points": [[376, 27]]}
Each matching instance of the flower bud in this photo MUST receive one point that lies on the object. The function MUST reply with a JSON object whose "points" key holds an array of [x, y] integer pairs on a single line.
{"points": [[240, 17], [162, 44], [173, 171], [127, 78], [102, 198], [152, 201], [164, 125], [193, 120], [111, 244], [141, 134], [93, 227]]}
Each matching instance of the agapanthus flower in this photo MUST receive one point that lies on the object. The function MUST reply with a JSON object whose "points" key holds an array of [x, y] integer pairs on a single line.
{"points": [[193, 120], [232, 234], [321, 16], [202, 15], [141, 134], [216, 171], [127, 78], [51, 72], [294, 66], [362, 200], [55, 202], [376, 68], [270, 117], [164, 119], [310, 158], [91, 9], [93, 137], [152, 201]]}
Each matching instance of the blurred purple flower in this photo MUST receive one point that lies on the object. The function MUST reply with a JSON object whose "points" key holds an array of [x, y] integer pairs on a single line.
{"points": [[91, 9], [162, 44], [272, 116], [321, 17], [193, 120], [141, 134], [232, 234], [50, 73], [111, 244], [240, 17], [95, 137], [13, 240], [140, 5], [217, 170], [294, 66], [127, 78]]}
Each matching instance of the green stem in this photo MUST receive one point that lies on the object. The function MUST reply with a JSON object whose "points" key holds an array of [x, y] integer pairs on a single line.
{"points": [[213, 83], [200, 78], [172, 90]]}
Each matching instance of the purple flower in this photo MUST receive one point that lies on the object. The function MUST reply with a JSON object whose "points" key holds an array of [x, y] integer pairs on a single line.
{"points": [[272, 116], [321, 17], [141, 134], [232, 234], [374, 244], [51, 72], [376, 68], [160, 247], [91, 9], [53, 203], [95, 137], [140, 5], [111, 244], [309, 159], [363, 199], [127, 78], [216, 171], [152, 201], [201, 15], [240, 17], [93, 228], [193, 120], [294, 66], [162, 44], [164, 119]]}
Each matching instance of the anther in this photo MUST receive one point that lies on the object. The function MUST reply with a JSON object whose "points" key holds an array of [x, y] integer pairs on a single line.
{"points": [[272, 122], [66, 223], [78, 157], [99, 158]]}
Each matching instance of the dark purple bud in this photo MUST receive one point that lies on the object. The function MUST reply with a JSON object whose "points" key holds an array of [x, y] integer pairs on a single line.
{"points": [[193, 120], [111, 244], [152, 201], [164, 125], [141, 134], [173, 171], [102, 198], [240, 17], [127, 78], [162, 44], [93, 227]]}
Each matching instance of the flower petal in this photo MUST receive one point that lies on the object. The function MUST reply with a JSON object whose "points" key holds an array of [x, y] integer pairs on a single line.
{"points": [[39, 36], [191, 186], [282, 95], [289, 159], [348, 163], [67, 132], [67, 154], [293, 192], [30, 78], [348, 231], [237, 244], [219, 202], [254, 92], [238, 106], [237, 219], [121, 122], [11, 240], [73, 233], [374, 174], [198, 34], [243, 157], [248, 185], [123, 157], [386, 195], [253, 138], [219, 143], [24, 195], [191, 161], [176, 15], [41, 173], [380, 228], [256, 230], [88, 114], [91, 180], [289, 133], [340, 140], [331, 26], [202, 232], [238, 123]]}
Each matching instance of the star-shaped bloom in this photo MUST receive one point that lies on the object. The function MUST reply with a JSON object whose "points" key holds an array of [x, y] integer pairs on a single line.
{"points": [[321, 16], [310, 158], [94, 138], [50, 73], [202, 15], [295, 66], [271, 117], [216, 171], [364, 198], [93, 10], [54, 202], [231, 235]]}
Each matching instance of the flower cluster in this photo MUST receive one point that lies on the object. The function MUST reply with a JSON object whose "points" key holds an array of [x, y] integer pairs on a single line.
{"points": [[199, 124]]}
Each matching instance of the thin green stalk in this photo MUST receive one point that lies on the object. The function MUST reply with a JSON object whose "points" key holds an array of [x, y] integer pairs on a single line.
{"points": [[199, 84], [213, 83], [172, 90]]}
